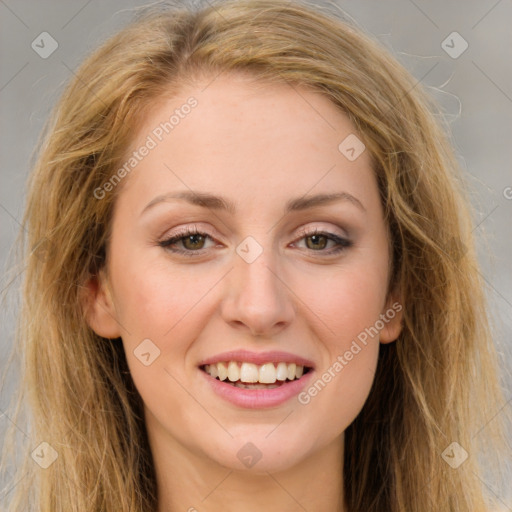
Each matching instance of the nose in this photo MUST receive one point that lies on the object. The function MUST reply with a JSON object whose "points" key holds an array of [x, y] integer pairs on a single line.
{"points": [[257, 298]]}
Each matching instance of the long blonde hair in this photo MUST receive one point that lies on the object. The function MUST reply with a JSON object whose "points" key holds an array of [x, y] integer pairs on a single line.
{"points": [[436, 385]]}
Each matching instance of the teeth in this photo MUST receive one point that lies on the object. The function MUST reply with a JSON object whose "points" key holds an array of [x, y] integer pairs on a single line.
{"points": [[282, 371], [222, 370], [213, 370], [249, 373], [267, 373], [233, 371]]}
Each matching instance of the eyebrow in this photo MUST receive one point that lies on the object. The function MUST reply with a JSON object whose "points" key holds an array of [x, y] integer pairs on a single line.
{"points": [[214, 202]]}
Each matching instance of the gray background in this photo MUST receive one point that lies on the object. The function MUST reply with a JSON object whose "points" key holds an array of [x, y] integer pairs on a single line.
{"points": [[475, 91]]}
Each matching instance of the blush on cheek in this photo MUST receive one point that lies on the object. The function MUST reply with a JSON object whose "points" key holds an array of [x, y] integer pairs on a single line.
{"points": [[351, 300], [347, 319], [343, 387]]}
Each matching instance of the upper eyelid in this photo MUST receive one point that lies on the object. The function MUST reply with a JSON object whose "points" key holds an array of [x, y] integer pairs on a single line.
{"points": [[193, 230]]}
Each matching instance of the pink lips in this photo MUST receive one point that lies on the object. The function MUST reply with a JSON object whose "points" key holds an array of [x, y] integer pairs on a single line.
{"points": [[258, 398], [257, 358]]}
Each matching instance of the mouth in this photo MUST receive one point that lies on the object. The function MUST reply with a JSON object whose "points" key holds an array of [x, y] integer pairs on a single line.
{"points": [[246, 375]]}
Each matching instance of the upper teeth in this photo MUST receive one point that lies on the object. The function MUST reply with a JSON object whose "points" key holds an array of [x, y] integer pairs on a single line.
{"points": [[248, 372]]}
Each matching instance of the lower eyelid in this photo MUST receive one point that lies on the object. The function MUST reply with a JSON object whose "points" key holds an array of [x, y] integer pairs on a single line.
{"points": [[340, 242]]}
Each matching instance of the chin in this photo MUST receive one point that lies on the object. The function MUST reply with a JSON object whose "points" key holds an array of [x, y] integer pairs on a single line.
{"points": [[257, 454]]}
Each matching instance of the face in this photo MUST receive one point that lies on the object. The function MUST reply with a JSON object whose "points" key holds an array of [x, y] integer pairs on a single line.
{"points": [[247, 243]]}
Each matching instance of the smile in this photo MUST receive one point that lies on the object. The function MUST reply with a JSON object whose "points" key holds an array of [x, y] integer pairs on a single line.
{"points": [[255, 380], [252, 376]]}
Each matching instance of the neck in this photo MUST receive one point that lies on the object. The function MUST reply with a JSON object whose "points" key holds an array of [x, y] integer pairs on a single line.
{"points": [[190, 482]]}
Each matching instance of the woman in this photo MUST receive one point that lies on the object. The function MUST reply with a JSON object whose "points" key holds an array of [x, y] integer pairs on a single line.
{"points": [[251, 280]]}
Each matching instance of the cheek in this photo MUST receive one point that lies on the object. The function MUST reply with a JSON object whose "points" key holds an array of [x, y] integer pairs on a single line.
{"points": [[349, 305], [342, 384], [151, 301], [347, 301], [335, 398]]}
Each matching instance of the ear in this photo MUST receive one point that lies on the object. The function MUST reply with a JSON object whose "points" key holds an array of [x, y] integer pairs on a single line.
{"points": [[100, 309], [392, 318]]}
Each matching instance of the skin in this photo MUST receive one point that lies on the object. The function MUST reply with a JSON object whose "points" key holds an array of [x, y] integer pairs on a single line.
{"points": [[258, 146]]}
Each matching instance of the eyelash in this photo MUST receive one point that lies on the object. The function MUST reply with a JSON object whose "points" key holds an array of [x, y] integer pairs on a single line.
{"points": [[342, 243]]}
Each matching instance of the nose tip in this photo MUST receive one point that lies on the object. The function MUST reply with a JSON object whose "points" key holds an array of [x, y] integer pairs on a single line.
{"points": [[257, 299]]}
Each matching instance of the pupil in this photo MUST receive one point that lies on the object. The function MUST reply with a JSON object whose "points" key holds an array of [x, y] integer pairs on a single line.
{"points": [[315, 241], [193, 239]]}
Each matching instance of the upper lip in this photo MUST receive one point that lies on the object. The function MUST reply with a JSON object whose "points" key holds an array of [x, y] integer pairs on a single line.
{"points": [[258, 358]]}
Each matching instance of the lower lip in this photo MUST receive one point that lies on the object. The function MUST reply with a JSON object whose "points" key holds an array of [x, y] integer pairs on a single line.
{"points": [[258, 398]]}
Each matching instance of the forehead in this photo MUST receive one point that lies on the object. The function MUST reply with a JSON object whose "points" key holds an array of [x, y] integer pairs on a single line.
{"points": [[244, 135]]}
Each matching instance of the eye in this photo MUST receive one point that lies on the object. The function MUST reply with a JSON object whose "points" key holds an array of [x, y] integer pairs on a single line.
{"points": [[317, 241], [192, 240]]}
